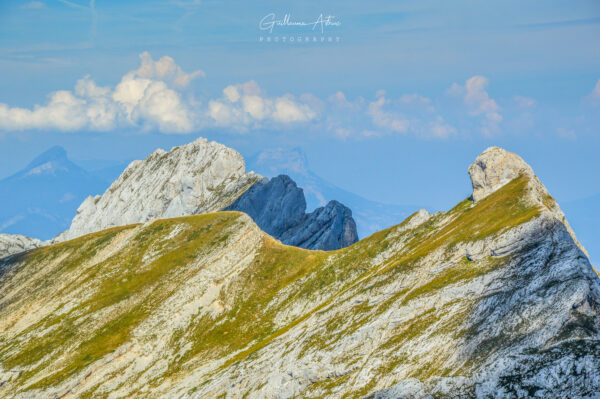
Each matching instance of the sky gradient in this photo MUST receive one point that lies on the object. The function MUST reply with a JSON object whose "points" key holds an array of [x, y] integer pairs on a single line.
{"points": [[394, 110]]}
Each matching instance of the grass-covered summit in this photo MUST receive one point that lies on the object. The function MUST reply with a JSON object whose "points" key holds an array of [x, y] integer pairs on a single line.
{"points": [[493, 297]]}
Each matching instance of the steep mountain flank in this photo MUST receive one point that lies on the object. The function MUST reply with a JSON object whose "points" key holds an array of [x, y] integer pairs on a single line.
{"points": [[278, 207], [14, 244], [493, 298], [195, 178]]}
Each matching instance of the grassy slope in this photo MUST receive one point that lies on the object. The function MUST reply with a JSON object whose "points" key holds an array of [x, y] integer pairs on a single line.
{"points": [[125, 289]]}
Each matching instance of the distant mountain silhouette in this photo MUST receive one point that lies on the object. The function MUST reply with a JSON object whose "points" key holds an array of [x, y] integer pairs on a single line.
{"points": [[41, 200]]}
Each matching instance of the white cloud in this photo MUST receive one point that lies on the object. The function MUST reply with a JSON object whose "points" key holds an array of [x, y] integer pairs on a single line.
{"points": [[440, 129], [63, 111], [166, 70], [153, 97], [288, 110], [342, 133], [140, 100], [150, 98], [231, 93], [390, 116], [478, 102], [246, 105], [386, 119]]}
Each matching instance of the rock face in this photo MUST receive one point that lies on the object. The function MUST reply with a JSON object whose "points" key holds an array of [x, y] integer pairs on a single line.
{"points": [[278, 207], [13, 244], [370, 216], [492, 299], [195, 178], [493, 169]]}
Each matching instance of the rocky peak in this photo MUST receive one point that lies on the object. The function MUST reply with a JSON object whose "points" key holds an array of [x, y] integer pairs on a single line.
{"points": [[493, 168], [327, 228], [194, 178], [278, 207], [275, 205]]}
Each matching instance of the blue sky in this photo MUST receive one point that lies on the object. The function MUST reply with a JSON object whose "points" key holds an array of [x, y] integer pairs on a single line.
{"points": [[394, 111]]}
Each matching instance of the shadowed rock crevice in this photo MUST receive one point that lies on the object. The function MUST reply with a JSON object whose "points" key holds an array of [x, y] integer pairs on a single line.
{"points": [[278, 207]]}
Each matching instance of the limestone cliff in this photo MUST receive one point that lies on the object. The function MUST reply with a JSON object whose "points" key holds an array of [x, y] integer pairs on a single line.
{"points": [[278, 207], [195, 178]]}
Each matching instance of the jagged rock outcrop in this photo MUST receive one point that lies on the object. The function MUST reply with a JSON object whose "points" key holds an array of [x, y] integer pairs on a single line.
{"points": [[14, 244], [370, 216], [328, 228], [194, 178], [493, 168], [278, 207], [275, 205], [493, 298]]}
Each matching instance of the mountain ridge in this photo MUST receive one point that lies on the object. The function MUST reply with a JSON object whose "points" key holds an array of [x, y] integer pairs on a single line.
{"points": [[451, 304], [202, 177]]}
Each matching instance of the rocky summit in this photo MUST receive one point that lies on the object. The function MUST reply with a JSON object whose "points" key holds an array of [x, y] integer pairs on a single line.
{"points": [[195, 178], [278, 207], [203, 177], [491, 299]]}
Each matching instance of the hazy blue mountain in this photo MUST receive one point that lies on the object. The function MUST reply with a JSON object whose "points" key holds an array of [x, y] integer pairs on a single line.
{"points": [[370, 216], [41, 200], [107, 170], [584, 217]]}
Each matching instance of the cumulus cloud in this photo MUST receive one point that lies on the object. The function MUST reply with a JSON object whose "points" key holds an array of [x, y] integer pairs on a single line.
{"points": [[63, 111], [143, 98], [478, 102], [165, 69], [386, 119], [408, 114], [246, 105], [157, 96], [151, 98]]}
